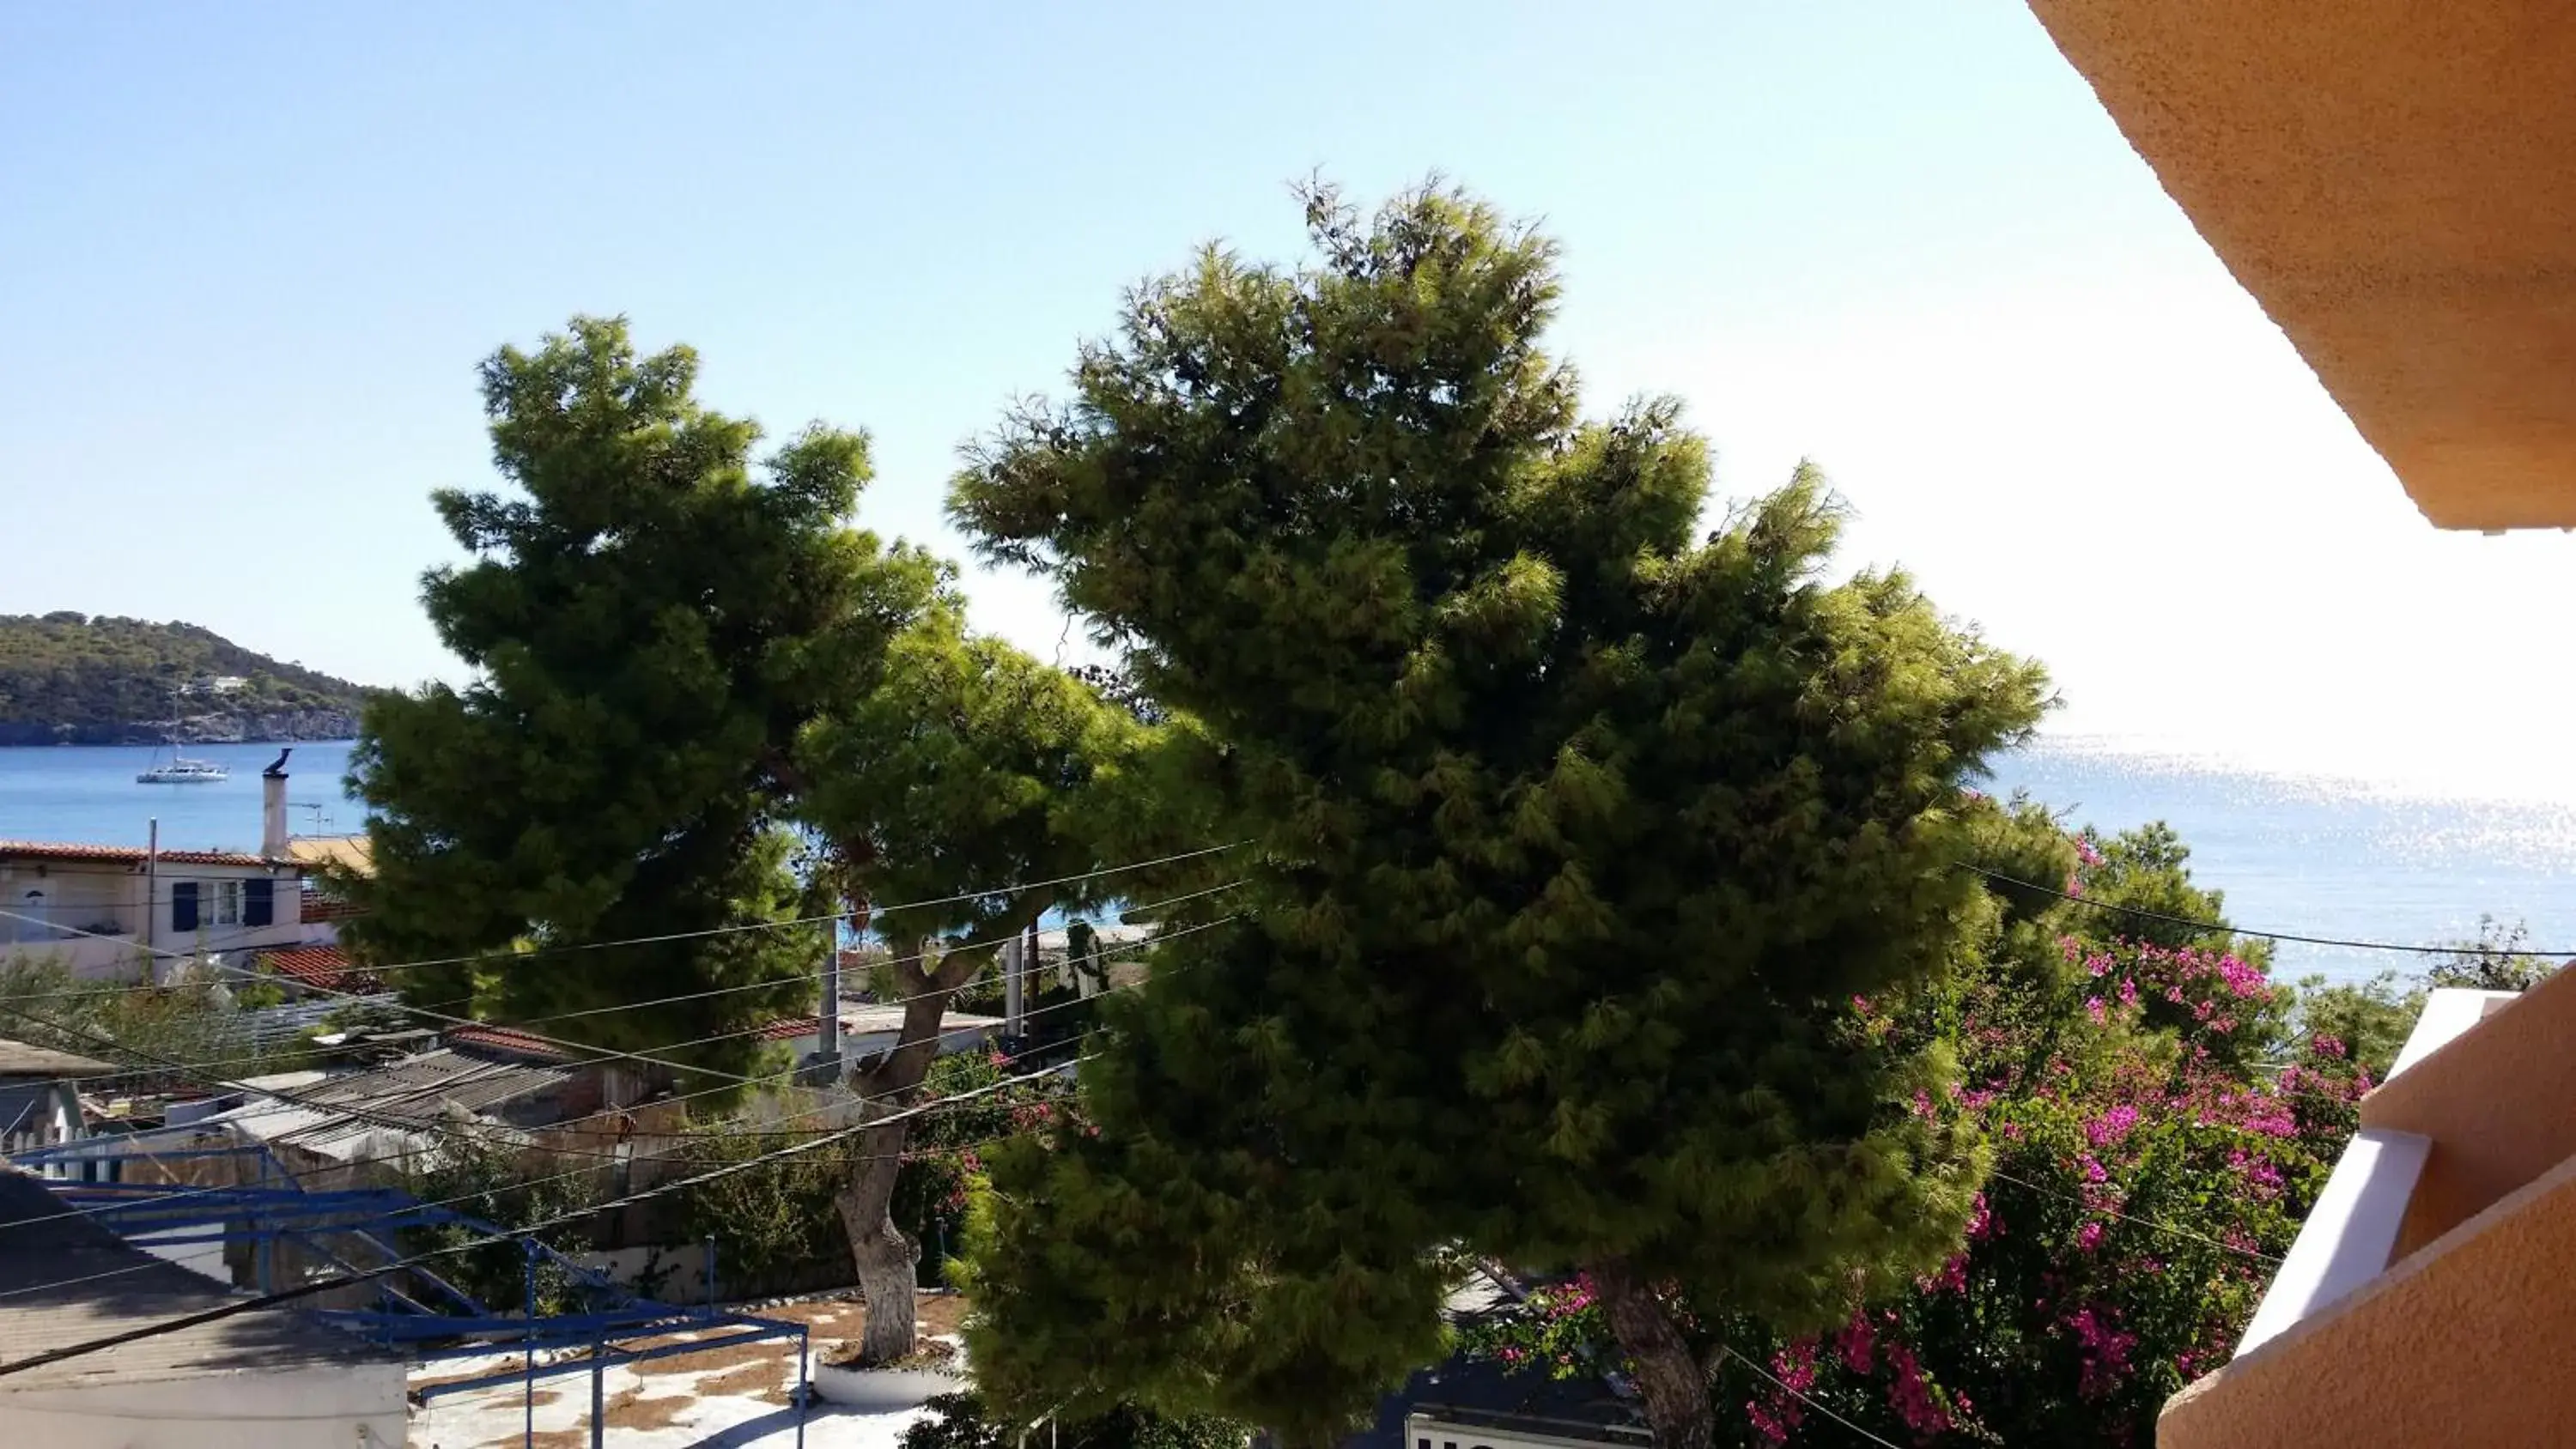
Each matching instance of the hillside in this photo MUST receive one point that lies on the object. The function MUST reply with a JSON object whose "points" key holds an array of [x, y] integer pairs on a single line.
{"points": [[69, 679]]}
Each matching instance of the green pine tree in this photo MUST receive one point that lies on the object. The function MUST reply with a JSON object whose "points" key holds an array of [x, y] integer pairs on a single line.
{"points": [[651, 628], [1575, 832], [680, 669]]}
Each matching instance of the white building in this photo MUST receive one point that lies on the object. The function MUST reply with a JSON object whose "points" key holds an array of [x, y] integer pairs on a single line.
{"points": [[106, 911]]}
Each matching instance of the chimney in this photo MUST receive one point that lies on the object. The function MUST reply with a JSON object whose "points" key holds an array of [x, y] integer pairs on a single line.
{"points": [[272, 807]]}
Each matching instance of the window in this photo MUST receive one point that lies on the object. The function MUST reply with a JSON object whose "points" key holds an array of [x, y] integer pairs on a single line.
{"points": [[198, 904]]}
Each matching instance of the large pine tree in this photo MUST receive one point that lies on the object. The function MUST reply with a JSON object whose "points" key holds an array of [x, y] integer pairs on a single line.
{"points": [[680, 665], [1575, 833]]}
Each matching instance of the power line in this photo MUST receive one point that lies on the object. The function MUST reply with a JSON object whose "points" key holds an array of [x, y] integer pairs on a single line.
{"points": [[2163, 918], [1730, 1352], [770, 985], [403, 1124], [324, 1285], [603, 1053], [397, 1122], [508, 957], [2162, 1227]]}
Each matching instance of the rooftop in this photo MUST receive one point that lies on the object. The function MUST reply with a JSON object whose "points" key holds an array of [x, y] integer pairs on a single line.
{"points": [[18, 1059], [324, 968], [123, 854], [869, 1021], [39, 1248], [388, 1110]]}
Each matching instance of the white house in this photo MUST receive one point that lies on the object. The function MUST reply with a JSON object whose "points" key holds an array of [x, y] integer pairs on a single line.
{"points": [[106, 911]]}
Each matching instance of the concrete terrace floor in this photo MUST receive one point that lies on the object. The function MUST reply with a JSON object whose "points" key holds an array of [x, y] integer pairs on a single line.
{"points": [[730, 1398]]}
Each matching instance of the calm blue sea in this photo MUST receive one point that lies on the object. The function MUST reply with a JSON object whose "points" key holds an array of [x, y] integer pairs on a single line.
{"points": [[2328, 857], [2310, 856], [88, 795]]}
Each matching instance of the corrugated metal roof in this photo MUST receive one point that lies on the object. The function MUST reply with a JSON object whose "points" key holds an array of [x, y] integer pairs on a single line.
{"points": [[372, 1113], [38, 1247], [123, 854]]}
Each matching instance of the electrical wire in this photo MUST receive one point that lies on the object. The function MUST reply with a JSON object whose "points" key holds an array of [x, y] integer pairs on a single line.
{"points": [[502, 957], [324, 1285], [816, 1110], [396, 1122], [774, 984], [1730, 1352], [2161, 1227], [2141, 913], [604, 1052]]}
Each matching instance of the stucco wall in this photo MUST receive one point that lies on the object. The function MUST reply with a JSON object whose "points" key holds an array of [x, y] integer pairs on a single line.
{"points": [[351, 1406], [2499, 1104], [2390, 179], [2470, 1343]]}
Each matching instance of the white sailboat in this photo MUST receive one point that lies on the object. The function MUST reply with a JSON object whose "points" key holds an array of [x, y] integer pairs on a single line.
{"points": [[180, 770]]}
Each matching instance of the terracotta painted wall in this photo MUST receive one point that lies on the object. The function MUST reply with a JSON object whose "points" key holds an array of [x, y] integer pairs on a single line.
{"points": [[2499, 1104], [2470, 1343], [2390, 179]]}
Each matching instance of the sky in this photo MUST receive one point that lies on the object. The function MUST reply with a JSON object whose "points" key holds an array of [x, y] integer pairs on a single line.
{"points": [[250, 256]]}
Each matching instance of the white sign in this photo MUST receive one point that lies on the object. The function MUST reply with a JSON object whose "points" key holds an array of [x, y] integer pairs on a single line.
{"points": [[1423, 1431]]}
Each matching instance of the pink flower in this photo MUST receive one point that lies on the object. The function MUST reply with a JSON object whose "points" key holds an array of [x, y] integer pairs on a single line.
{"points": [[2094, 1008], [2089, 1236], [2093, 1171], [2106, 1351], [1910, 1396], [2111, 1126], [1857, 1341], [2128, 992], [1981, 1216], [2324, 1046]]}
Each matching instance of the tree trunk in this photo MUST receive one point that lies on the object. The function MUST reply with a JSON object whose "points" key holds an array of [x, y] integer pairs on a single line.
{"points": [[884, 1256], [1668, 1375]]}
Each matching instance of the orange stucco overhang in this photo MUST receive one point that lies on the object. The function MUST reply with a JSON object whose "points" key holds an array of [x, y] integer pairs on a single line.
{"points": [[2395, 182]]}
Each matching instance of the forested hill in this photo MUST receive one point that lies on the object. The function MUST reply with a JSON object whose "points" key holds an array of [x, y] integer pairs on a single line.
{"points": [[69, 679]]}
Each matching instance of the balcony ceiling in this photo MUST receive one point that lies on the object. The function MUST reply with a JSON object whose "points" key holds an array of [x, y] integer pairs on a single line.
{"points": [[2395, 182]]}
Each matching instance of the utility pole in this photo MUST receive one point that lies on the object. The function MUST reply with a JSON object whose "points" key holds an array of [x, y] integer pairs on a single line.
{"points": [[1014, 988]]}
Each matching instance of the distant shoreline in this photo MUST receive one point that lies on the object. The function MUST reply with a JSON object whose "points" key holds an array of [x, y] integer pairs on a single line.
{"points": [[295, 727]]}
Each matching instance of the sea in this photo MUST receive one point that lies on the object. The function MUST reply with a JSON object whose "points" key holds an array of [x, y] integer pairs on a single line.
{"points": [[2300, 855]]}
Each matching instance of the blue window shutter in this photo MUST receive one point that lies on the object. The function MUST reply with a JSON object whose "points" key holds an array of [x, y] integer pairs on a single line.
{"points": [[183, 906], [259, 902]]}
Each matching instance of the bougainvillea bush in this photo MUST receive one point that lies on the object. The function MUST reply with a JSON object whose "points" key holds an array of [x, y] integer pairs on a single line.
{"points": [[2156, 1135]]}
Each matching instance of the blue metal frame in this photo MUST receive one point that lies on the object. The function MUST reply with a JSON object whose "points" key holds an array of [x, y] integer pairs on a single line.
{"points": [[265, 1215]]}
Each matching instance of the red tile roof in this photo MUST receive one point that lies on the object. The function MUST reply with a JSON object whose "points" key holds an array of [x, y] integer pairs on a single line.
{"points": [[129, 854], [792, 1028], [325, 968], [319, 906], [508, 1039]]}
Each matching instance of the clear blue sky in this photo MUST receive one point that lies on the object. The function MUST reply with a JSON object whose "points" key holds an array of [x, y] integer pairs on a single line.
{"points": [[250, 255]]}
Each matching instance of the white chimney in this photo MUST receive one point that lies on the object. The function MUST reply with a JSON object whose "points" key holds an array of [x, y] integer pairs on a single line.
{"points": [[272, 808]]}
